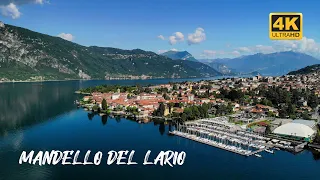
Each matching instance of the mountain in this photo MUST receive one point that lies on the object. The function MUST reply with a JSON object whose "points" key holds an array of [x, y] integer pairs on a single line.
{"points": [[28, 55], [306, 70], [218, 66], [279, 63], [179, 55], [185, 55]]}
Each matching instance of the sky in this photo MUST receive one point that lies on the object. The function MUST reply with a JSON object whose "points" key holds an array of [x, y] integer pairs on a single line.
{"points": [[207, 29]]}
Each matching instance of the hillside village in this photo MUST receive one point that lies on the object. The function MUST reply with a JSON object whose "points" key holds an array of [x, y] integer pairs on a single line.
{"points": [[239, 94], [279, 107]]}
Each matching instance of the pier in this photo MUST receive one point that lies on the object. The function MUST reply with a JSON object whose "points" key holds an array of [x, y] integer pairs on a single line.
{"points": [[219, 133], [217, 145]]}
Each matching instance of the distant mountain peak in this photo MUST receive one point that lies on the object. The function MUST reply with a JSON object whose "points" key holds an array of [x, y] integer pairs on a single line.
{"points": [[182, 55]]}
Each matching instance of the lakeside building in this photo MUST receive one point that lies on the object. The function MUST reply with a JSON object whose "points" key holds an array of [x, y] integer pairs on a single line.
{"points": [[302, 130]]}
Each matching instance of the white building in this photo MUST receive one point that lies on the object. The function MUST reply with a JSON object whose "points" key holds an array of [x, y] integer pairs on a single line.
{"points": [[296, 131], [1, 25]]}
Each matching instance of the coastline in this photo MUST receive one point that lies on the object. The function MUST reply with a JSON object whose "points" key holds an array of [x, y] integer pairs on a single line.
{"points": [[62, 80]]}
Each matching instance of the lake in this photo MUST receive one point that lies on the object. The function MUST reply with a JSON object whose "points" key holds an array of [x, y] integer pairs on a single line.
{"points": [[43, 117]]}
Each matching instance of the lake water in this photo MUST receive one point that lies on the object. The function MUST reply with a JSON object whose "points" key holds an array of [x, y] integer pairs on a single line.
{"points": [[42, 116]]}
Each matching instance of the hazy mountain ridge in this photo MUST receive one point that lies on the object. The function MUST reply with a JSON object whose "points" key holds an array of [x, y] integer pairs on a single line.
{"points": [[279, 63], [26, 55]]}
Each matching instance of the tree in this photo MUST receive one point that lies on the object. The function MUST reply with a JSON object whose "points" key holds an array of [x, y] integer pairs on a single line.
{"points": [[188, 112], [195, 112], [147, 90], [183, 117], [266, 102], [166, 97], [305, 116], [313, 101], [271, 114], [234, 94], [104, 104], [175, 87], [160, 110], [291, 109]]}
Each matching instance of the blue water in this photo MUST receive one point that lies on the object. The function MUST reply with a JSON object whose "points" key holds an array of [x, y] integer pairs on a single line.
{"points": [[42, 116]]}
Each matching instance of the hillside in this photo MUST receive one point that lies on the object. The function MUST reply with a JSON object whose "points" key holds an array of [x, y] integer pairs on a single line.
{"points": [[279, 63], [306, 70], [28, 55], [179, 55]]}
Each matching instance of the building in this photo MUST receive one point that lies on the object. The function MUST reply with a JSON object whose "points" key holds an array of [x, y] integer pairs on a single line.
{"points": [[1, 25], [296, 131], [310, 123]]}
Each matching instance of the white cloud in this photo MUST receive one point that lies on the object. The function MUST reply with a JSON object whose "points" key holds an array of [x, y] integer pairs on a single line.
{"points": [[197, 37], [161, 37], [194, 38], [39, 1], [305, 45], [244, 49], [68, 37], [10, 10], [20, 2], [176, 37], [235, 53], [213, 53], [217, 54], [263, 49], [163, 51]]}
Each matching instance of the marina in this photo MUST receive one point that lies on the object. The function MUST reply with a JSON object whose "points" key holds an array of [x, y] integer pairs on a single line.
{"points": [[71, 128], [219, 133]]}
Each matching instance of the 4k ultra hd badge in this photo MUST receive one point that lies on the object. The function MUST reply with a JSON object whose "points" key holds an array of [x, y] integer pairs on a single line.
{"points": [[285, 26]]}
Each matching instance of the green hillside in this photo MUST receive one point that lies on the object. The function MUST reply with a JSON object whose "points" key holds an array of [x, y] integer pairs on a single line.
{"points": [[306, 70], [28, 55]]}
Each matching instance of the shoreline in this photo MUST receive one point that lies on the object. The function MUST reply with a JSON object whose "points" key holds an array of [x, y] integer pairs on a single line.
{"points": [[63, 80]]}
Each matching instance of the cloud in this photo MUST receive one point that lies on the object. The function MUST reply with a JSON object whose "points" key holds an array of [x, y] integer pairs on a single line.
{"points": [[197, 37], [40, 1], [176, 37], [235, 53], [256, 49], [161, 37], [305, 45], [68, 37], [10, 10], [244, 49], [219, 53], [163, 51], [213, 53], [21, 2]]}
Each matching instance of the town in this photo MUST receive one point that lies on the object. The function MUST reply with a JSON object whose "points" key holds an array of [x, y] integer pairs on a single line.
{"points": [[282, 110]]}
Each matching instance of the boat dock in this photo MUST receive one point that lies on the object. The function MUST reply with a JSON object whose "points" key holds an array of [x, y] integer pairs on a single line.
{"points": [[218, 145], [219, 133]]}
